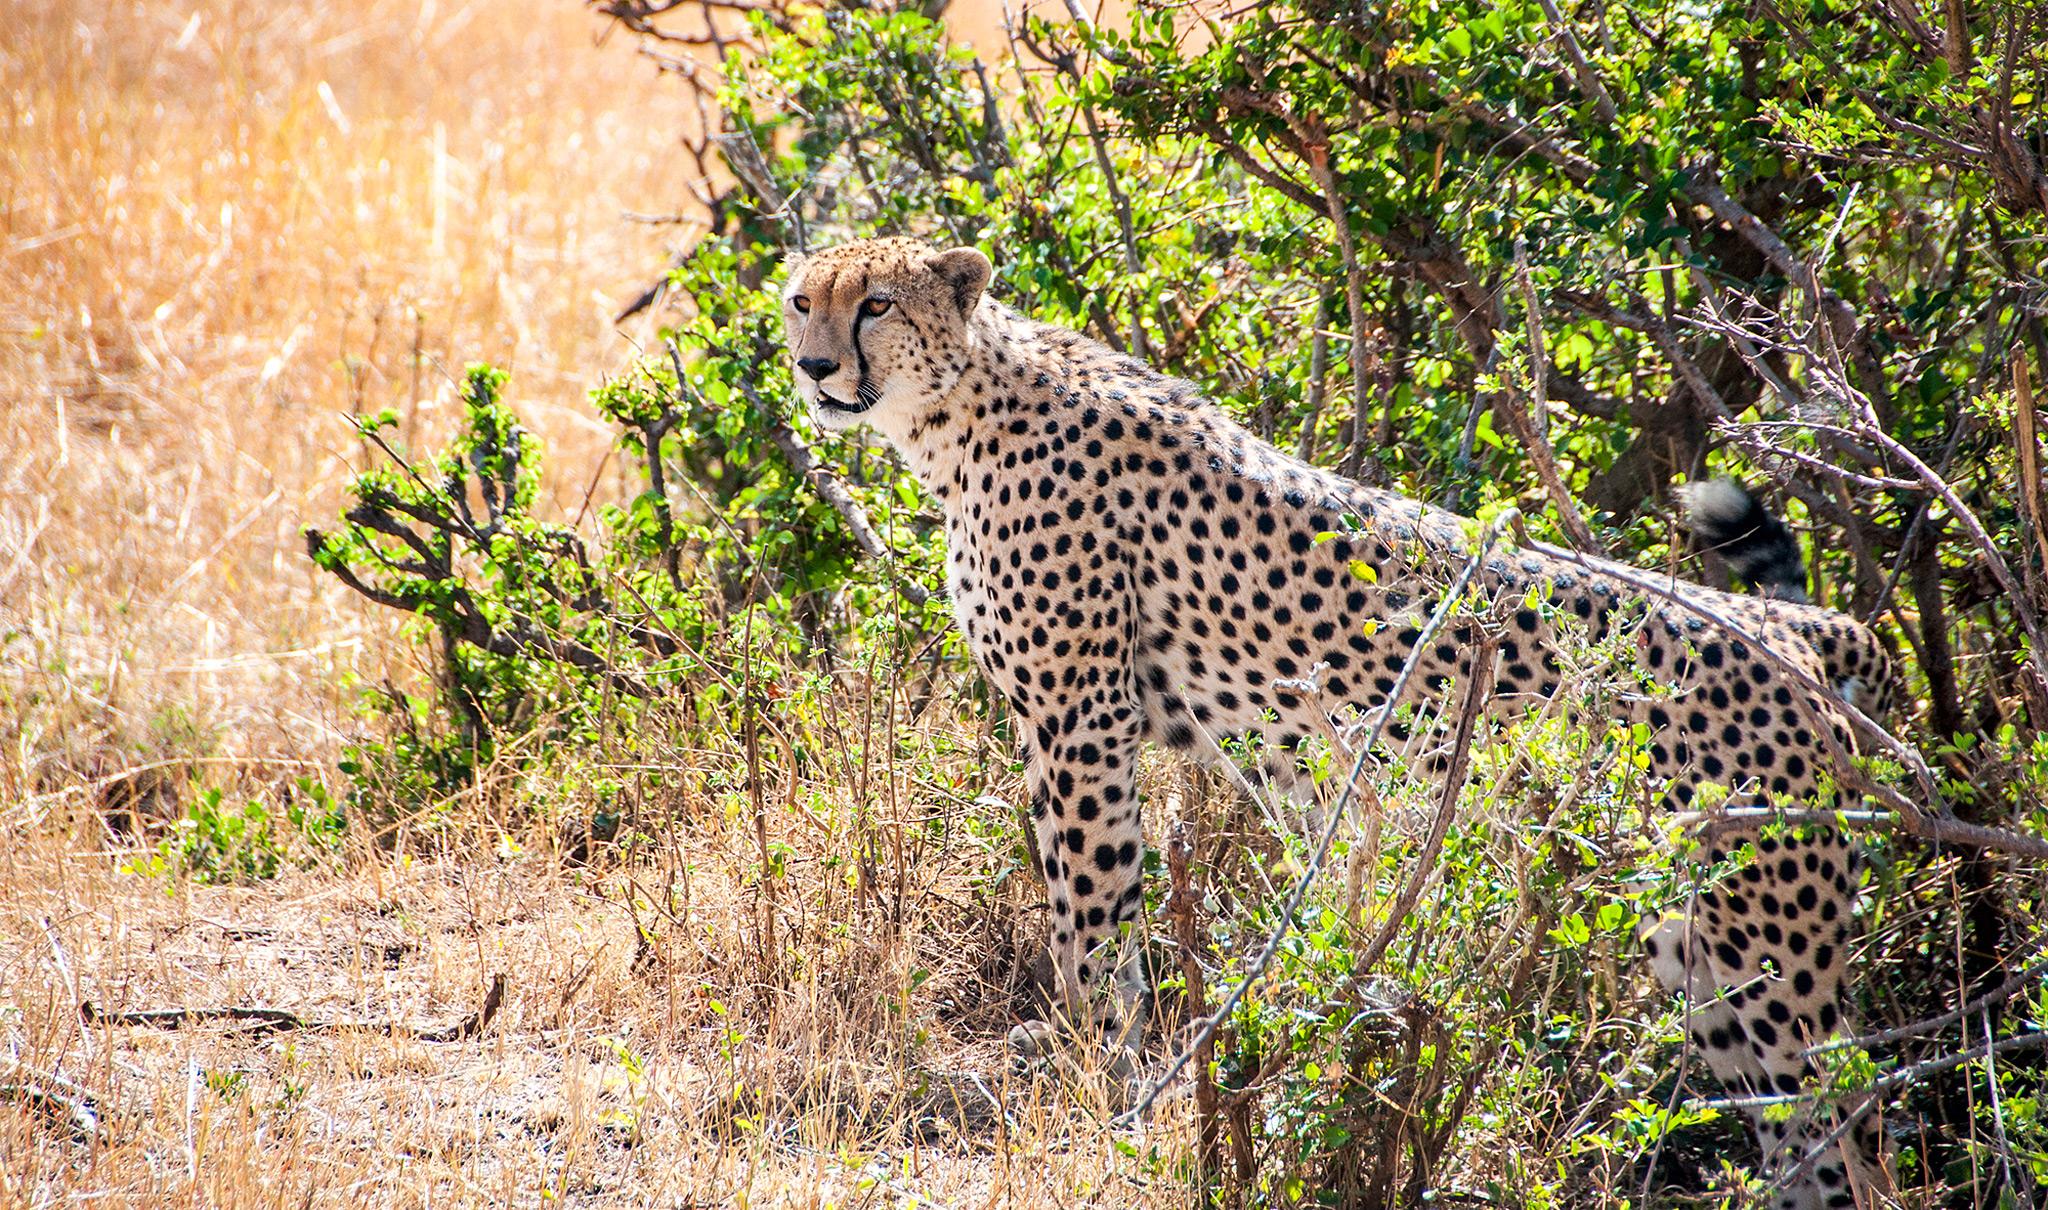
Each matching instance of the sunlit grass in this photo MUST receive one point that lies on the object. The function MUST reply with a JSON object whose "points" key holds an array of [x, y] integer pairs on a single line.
{"points": [[220, 226]]}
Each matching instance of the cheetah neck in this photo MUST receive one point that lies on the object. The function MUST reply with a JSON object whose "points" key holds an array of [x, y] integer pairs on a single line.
{"points": [[1018, 371]]}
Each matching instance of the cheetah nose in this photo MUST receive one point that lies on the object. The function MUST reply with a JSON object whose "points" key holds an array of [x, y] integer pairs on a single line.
{"points": [[819, 368]]}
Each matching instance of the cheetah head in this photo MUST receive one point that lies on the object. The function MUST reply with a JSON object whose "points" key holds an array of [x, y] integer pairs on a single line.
{"points": [[878, 329]]}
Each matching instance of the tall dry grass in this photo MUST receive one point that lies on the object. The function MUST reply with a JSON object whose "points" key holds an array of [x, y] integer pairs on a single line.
{"points": [[222, 224]]}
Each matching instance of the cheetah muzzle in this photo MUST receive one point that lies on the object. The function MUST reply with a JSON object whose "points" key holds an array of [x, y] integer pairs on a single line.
{"points": [[828, 403], [1128, 563]]}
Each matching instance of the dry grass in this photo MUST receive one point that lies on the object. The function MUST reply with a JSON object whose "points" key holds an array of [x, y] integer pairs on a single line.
{"points": [[612, 1076], [222, 224]]}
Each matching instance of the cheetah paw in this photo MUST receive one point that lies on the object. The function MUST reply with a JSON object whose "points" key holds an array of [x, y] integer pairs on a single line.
{"points": [[1033, 1040]]}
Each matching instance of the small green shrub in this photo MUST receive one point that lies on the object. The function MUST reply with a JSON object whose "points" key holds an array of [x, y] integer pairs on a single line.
{"points": [[215, 841]]}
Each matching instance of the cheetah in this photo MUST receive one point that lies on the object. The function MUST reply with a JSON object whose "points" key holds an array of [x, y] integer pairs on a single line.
{"points": [[1127, 563]]}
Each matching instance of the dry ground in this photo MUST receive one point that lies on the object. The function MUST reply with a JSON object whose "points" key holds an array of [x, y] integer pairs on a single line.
{"points": [[613, 1075], [221, 225]]}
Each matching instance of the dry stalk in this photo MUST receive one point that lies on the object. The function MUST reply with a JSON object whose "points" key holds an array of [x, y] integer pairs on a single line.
{"points": [[1180, 849], [62, 1103]]}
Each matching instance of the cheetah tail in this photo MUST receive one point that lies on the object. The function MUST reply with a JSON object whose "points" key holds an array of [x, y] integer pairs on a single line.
{"points": [[1729, 520]]}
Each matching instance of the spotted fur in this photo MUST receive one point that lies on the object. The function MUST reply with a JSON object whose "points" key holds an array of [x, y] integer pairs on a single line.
{"points": [[1129, 564]]}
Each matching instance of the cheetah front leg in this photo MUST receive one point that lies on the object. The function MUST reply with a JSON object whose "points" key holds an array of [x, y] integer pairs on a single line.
{"points": [[1091, 847]]}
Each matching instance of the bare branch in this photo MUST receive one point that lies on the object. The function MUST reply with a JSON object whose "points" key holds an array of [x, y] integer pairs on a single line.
{"points": [[1478, 690], [1588, 80], [1317, 148], [833, 491], [1533, 431], [256, 1021], [1919, 1029]]}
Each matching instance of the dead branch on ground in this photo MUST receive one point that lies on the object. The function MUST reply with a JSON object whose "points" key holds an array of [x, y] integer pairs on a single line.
{"points": [[257, 1022]]}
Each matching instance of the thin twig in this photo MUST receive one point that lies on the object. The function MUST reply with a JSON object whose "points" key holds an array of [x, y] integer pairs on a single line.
{"points": [[1910, 1074], [1588, 80], [1868, 1098], [1534, 429], [1918, 1029], [1318, 155], [1477, 691], [832, 489], [1930, 822], [1963, 515], [1318, 382]]}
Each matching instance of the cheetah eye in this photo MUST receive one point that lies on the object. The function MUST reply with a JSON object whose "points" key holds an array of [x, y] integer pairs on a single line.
{"points": [[801, 303], [875, 307]]}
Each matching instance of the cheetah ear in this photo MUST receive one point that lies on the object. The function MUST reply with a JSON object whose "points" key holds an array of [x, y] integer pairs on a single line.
{"points": [[965, 272], [793, 265]]}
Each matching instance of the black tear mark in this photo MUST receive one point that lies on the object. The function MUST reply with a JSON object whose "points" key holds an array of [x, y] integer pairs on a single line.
{"points": [[864, 391]]}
